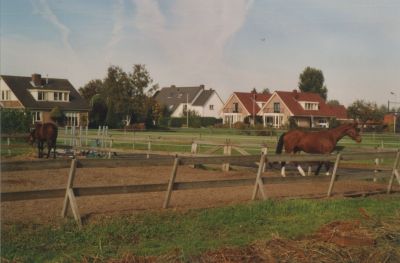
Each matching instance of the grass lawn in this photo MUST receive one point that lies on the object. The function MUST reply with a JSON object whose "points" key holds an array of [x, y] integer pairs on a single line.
{"points": [[190, 232]]}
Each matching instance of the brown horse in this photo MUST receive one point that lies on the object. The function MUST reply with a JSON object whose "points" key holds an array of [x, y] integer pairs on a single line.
{"points": [[46, 132], [321, 142]]}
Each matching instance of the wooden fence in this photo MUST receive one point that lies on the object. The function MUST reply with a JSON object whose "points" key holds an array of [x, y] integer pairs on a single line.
{"points": [[71, 192]]}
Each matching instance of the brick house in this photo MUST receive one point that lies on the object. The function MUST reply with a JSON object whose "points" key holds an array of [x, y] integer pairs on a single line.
{"points": [[40, 95], [241, 105], [307, 109]]}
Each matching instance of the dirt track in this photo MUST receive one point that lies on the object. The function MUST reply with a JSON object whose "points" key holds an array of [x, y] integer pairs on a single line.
{"points": [[49, 209]]}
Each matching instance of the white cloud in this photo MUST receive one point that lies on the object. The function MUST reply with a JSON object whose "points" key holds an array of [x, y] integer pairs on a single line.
{"points": [[192, 38], [42, 8], [117, 30]]}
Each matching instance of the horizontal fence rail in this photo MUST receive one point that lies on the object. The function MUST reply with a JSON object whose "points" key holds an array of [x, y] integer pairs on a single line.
{"points": [[70, 192], [146, 188]]}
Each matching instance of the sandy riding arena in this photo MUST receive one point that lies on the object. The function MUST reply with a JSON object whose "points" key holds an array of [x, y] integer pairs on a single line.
{"points": [[43, 210]]}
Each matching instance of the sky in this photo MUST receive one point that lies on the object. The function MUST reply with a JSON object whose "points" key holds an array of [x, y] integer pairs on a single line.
{"points": [[227, 45]]}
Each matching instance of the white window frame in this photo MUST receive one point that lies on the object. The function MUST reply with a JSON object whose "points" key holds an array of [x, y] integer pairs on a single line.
{"points": [[37, 116], [211, 107], [5, 95], [45, 96]]}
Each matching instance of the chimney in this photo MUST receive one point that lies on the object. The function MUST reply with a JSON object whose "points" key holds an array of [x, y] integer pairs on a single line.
{"points": [[36, 79], [202, 86], [296, 94]]}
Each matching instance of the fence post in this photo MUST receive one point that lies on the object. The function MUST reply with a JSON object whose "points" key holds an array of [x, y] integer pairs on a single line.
{"points": [[228, 152], [333, 178], [259, 185], [376, 161], [65, 134], [148, 147], [80, 136], [264, 150], [8, 146], [395, 172], [171, 182], [193, 150], [86, 135], [111, 145], [69, 198], [133, 138]]}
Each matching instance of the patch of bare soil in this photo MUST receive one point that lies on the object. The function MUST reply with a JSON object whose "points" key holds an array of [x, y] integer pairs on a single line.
{"points": [[45, 210]]}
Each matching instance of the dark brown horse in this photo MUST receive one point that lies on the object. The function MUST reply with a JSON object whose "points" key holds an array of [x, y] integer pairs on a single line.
{"points": [[46, 132], [321, 142]]}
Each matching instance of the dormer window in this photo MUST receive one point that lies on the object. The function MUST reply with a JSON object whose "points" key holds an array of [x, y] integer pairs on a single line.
{"points": [[311, 106], [42, 95], [58, 96]]}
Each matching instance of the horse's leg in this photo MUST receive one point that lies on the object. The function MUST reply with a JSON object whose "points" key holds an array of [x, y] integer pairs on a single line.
{"points": [[54, 146], [48, 149], [301, 171], [283, 169], [40, 149], [328, 167], [318, 168]]}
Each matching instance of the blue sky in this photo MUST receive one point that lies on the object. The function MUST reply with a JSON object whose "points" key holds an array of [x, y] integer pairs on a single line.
{"points": [[228, 45]]}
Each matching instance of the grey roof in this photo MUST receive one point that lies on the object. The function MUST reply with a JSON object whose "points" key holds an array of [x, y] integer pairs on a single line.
{"points": [[173, 96], [203, 98], [20, 86]]}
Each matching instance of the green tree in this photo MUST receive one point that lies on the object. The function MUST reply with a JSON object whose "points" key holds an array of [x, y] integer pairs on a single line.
{"points": [[57, 115], [266, 91], [15, 120], [125, 93], [92, 88], [364, 111], [333, 102], [98, 112], [312, 80]]}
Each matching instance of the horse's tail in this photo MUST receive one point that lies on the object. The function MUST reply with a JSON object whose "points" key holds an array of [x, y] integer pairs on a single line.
{"points": [[279, 146]]}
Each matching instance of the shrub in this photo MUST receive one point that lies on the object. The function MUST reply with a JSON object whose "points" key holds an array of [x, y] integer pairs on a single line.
{"points": [[210, 121], [15, 120], [176, 122]]}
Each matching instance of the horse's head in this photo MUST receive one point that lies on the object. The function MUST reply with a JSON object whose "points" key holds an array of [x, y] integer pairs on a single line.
{"points": [[353, 132]]}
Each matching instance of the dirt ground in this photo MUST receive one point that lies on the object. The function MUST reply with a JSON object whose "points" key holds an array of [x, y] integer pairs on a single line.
{"points": [[50, 209]]}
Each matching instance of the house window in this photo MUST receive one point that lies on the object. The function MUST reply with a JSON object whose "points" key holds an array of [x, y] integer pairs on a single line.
{"points": [[323, 123], [58, 96], [311, 106], [236, 107], [42, 95], [5, 95], [211, 107], [72, 119], [277, 107], [66, 97], [36, 116]]}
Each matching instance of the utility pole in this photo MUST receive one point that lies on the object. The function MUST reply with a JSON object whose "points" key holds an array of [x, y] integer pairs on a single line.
{"points": [[187, 110], [254, 101]]}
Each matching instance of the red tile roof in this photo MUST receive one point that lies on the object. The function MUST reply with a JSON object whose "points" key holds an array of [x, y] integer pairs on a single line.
{"points": [[292, 99], [247, 99]]}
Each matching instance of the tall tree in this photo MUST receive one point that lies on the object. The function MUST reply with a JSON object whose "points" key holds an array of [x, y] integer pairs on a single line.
{"points": [[266, 91], [126, 93], [92, 88], [364, 111], [312, 80], [333, 102]]}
